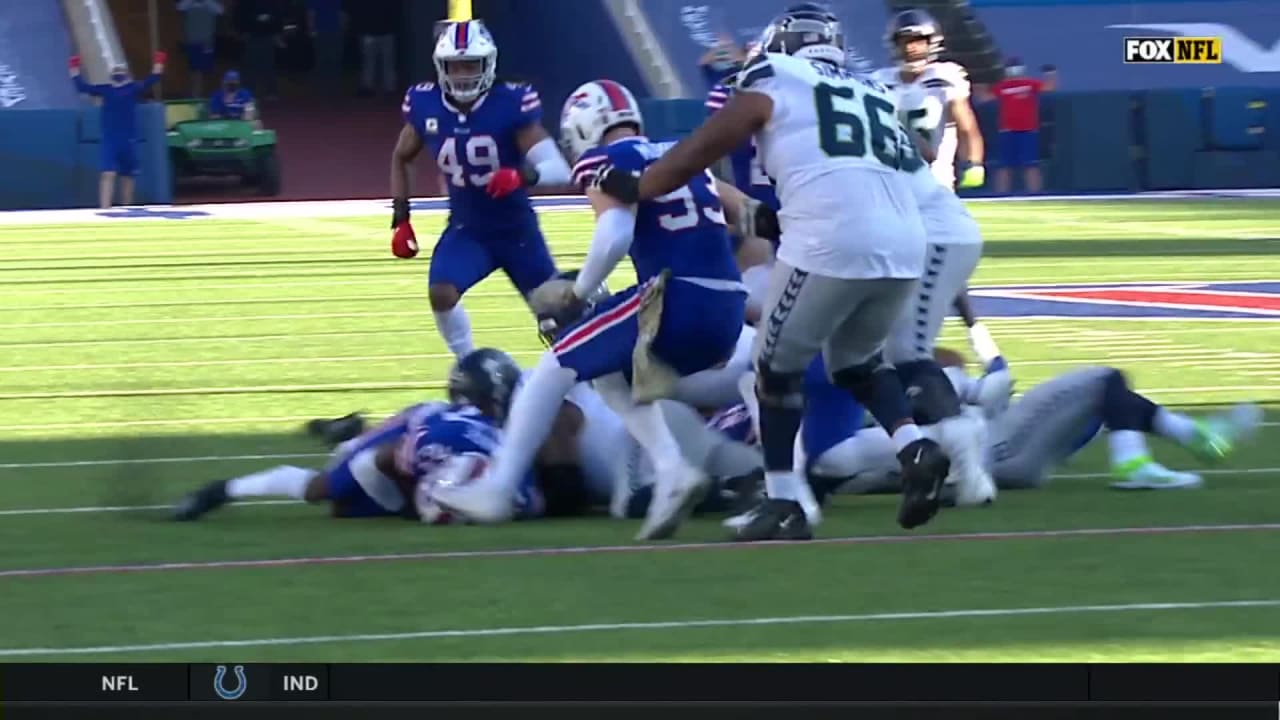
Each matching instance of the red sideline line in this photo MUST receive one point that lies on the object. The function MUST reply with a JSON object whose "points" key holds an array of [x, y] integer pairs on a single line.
{"points": [[603, 549]]}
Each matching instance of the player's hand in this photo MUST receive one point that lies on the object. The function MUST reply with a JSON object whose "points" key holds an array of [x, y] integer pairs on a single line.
{"points": [[504, 182], [621, 185], [73, 65], [404, 244], [766, 223], [973, 176]]}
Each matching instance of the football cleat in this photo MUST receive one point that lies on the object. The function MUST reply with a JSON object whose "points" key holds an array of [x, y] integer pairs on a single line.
{"points": [[924, 468], [202, 502], [1146, 474], [1217, 435], [674, 497], [774, 519], [744, 491]]}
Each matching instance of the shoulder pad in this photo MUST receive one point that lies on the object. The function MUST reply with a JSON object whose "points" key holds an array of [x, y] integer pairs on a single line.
{"points": [[759, 68]]}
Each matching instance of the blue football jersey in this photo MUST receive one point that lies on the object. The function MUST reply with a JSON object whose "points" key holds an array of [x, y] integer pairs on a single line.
{"points": [[683, 231], [469, 146], [457, 430], [748, 175]]}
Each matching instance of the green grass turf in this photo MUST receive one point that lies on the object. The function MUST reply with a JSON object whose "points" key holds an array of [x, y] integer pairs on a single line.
{"points": [[127, 342]]}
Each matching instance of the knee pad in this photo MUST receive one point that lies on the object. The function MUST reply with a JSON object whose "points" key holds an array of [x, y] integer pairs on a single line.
{"points": [[777, 389], [930, 395]]}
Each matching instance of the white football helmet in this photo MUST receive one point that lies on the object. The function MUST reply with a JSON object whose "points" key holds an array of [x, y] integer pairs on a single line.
{"points": [[592, 110], [469, 43]]}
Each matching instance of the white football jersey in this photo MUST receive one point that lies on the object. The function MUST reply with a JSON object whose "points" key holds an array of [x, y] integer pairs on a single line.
{"points": [[946, 220], [922, 105], [832, 145]]}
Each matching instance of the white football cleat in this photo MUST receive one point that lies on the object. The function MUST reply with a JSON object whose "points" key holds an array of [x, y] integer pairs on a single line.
{"points": [[1154, 476], [674, 496], [963, 438]]}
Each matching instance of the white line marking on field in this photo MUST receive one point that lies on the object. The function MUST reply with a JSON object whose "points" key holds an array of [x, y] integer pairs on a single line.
{"points": [[660, 625], [626, 549]]}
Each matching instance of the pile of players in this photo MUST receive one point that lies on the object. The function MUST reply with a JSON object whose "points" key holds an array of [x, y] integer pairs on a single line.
{"points": [[769, 316]]}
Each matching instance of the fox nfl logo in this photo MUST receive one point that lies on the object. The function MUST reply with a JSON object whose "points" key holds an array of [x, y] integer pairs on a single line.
{"points": [[1173, 50]]}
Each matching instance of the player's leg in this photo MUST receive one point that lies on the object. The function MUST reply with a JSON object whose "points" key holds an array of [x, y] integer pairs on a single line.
{"points": [[127, 168], [1008, 157], [1030, 157], [524, 258], [717, 387], [802, 310], [855, 364], [458, 262], [948, 267], [597, 345], [284, 481]]}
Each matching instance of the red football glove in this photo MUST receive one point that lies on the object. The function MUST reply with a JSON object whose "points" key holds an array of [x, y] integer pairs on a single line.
{"points": [[159, 56], [404, 244], [74, 62], [504, 182]]}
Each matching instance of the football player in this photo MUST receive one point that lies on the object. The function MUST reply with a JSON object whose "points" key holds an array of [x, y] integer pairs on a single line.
{"points": [[419, 464], [1052, 421], [488, 143], [852, 242], [938, 93], [682, 316]]}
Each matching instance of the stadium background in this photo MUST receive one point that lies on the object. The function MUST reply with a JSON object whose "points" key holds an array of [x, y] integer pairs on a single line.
{"points": [[1215, 126]]}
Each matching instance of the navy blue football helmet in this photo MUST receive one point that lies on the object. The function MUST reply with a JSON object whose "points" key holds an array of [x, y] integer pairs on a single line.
{"points": [[807, 30], [487, 379], [910, 25]]}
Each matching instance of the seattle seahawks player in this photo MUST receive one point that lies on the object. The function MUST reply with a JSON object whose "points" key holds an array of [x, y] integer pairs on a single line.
{"points": [[1051, 422], [683, 316], [488, 143], [938, 95], [852, 241], [415, 464]]}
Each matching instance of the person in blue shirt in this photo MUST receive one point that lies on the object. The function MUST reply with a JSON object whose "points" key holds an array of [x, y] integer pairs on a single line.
{"points": [[119, 125], [490, 147], [232, 100]]}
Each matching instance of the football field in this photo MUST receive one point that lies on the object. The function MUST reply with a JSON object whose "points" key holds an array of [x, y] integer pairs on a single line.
{"points": [[141, 358]]}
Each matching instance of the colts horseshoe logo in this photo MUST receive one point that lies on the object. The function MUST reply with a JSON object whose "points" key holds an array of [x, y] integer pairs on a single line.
{"points": [[237, 691]]}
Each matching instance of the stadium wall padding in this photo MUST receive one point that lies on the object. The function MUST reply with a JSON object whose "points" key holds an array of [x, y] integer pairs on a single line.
{"points": [[51, 158]]}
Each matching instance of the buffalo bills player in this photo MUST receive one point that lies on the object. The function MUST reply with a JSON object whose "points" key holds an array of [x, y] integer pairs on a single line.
{"points": [[487, 141], [683, 316], [417, 464]]}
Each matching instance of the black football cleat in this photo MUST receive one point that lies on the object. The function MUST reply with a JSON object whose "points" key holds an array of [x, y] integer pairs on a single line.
{"points": [[337, 430], [201, 502], [775, 520], [924, 468]]}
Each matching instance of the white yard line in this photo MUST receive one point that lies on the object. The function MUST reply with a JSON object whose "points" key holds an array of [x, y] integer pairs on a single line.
{"points": [[1151, 607]]}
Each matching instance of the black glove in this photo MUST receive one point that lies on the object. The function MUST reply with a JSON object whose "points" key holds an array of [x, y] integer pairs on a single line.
{"points": [[399, 212], [621, 185], [767, 225], [529, 175]]}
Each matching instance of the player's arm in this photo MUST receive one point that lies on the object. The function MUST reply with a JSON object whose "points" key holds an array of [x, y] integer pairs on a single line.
{"points": [[545, 164], [404, 243], [979, 337], [615, 229], [745, 113], [73, 67], [967, 131], [926, 149]]}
